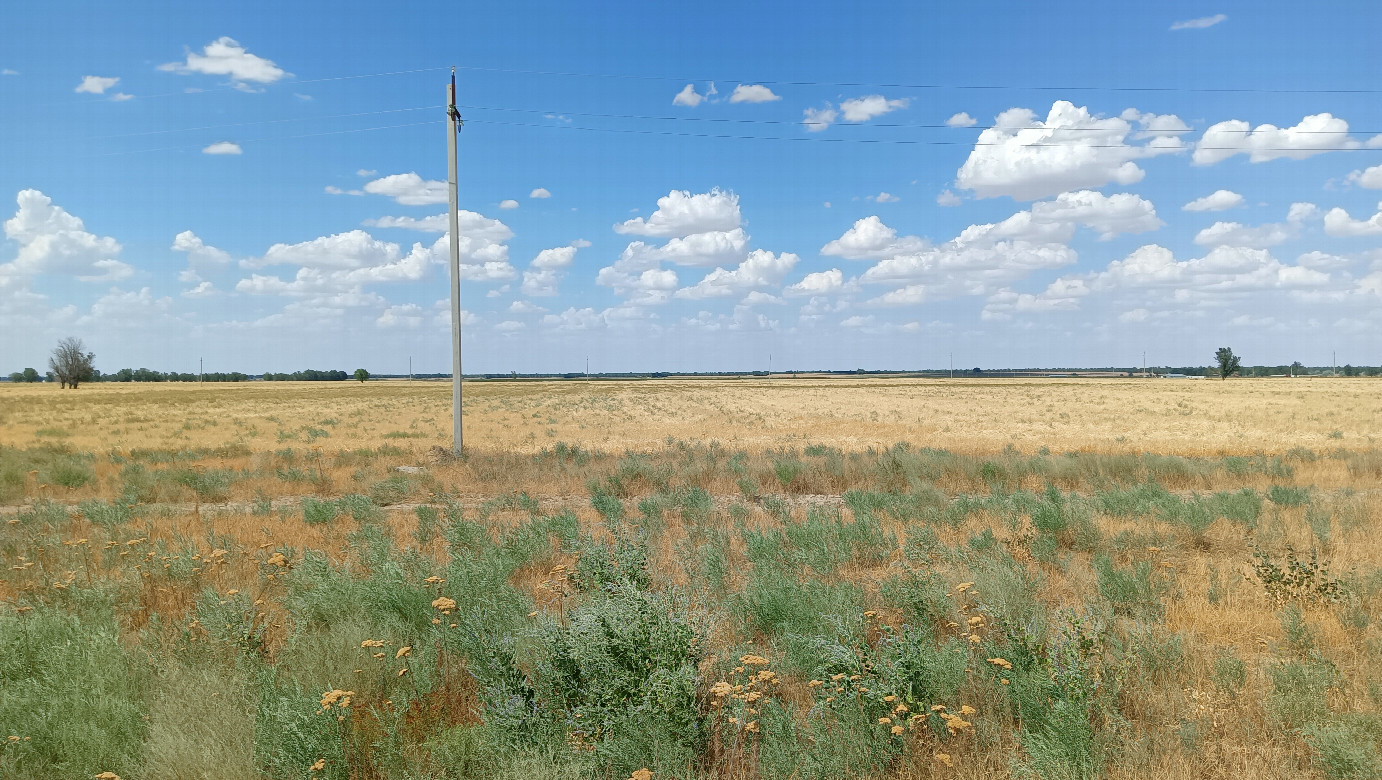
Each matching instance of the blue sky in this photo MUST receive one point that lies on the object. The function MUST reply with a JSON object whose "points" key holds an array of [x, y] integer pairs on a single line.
{"points": [[692, 187]]}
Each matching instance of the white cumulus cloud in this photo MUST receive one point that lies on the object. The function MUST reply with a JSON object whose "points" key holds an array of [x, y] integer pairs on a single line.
{"points": [[680, 213], [1219, 200], [1338, 223], [1370, 178], [818, 119], [862, 109], [226, 57], [1027, 158], [819, 283], [869, 239], [688, 97], [198, 252], [409, 189], [223, 147], [760, 269], [97, 85], [1314, 134], [752, 93], [52, 241], [540, 192], [961, 119], [508, 204]]}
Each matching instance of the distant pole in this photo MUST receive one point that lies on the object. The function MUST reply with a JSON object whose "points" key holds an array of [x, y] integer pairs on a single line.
{"points": [[952, 365], [587, 368], [1336, 363], [201, 369], [453, 126], [770, 365], [410, 368], [1144, 362]]}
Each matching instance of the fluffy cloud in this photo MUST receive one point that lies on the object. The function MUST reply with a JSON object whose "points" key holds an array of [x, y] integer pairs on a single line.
{"points": [[862, 109], [225, 57], [688, 97], [540, 192], [680, 213], [198, 252], [760, 269], [1061, 295], [819, 283], [53, 241], [409, 189], [869, 239], [1315, 134], [752, 93], [96, 85], [1026, 158], [1225, 269], [1108, 215], [576, 319], [1219, 200], [546, 271], [961, 119], [1200, 23], [472, 225], [984, 258], [202, 290], [818, 119], [223, 147], [1235, 234], [884, 197], [1370, 178], [134, 309], [406, 315], [1261, 236], [524, 307], [707, 250], [508, 204], [947, 199], [1338, 223]]}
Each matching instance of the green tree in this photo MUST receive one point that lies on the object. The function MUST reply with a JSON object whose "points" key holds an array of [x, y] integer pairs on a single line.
{"points": [[70, 363], [1229, 363], [361, 374], [32, 375]]}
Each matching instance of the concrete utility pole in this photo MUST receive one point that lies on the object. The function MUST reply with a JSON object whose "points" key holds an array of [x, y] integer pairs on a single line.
{"points": [[453, 127]]}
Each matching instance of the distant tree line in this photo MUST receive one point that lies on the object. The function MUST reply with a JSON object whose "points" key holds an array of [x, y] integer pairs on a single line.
{"points": [[308, 375], [149, 375]]}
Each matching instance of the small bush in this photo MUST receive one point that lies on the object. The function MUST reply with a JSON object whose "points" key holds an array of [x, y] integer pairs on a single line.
{"points": [[1347, 750], [1131, 592], [1284, 496]]}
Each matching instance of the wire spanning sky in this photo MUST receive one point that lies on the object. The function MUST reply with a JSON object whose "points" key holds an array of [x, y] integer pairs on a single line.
{"points": [[685, 187]]}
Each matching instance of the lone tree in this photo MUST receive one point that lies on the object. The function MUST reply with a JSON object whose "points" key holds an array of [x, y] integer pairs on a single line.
{"points": [[70, 362], [361, 374], [1228, 362]]}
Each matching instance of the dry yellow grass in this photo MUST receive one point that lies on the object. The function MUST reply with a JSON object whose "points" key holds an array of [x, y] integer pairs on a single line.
{"points": [[508, 419], [970, 416]]}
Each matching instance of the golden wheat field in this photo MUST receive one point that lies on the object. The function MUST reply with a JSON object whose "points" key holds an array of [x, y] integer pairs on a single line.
{"points": [[974, 416], [810, 578]]}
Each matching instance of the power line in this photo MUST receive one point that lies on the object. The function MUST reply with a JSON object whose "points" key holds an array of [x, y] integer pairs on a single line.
{"points": [[919, 125], [265, 140], [901, 85], [267, 122], [895, 141]]}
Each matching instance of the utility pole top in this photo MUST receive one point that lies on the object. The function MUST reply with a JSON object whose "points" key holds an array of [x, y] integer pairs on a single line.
{"points": [[453, 123]]}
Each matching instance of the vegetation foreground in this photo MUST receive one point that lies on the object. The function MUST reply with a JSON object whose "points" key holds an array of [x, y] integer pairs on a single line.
{"points": [[686, 610]]}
